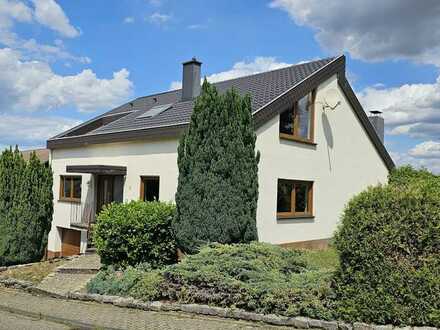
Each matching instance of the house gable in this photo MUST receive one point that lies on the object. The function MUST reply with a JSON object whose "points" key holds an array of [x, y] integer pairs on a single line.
{"points": [[341, 163]]}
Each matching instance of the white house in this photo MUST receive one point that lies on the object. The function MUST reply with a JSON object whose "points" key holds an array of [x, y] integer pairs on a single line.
{"points": [[318, 148]]}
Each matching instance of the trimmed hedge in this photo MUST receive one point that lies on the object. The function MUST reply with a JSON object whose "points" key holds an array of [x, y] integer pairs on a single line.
{"points": [[407, 175], [389, 245], [136, 232]]}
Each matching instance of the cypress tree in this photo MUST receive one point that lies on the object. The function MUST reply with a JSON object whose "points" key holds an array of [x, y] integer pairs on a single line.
{"points": [[25, 207], [217, 189]]}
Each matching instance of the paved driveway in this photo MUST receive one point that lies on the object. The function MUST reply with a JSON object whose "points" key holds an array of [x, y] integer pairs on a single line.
{"points": [[20, 310]]}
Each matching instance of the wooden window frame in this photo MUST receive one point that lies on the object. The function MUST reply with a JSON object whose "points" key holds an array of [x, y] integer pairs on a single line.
{"points": [[142, 187], [295, 136], [293, 214], [72, 188]]}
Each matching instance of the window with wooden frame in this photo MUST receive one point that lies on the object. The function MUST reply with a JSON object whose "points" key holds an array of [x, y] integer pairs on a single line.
{"points": [[149, 188], [70, 188], [297, 123], [294, 199]]}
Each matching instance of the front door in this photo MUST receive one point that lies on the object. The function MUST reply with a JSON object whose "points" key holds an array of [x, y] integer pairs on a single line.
{"points": [[110, 189]]}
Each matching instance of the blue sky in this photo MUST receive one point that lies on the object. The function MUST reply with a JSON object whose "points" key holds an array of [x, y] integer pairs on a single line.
{"points": [[66, 61]]}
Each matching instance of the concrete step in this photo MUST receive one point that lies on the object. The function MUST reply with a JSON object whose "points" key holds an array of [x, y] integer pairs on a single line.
{"points": [[84, 264], [60, 283]]}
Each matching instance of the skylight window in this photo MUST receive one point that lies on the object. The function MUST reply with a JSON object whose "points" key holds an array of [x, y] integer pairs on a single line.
{"points": [[154, 111]]}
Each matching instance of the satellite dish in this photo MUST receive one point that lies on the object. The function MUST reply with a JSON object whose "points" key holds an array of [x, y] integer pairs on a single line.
{"points": [[331, 99]]}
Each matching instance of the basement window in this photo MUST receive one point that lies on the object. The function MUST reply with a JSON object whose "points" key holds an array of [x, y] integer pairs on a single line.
{"points": [[149, 188], [294, 199], [297, 122], [70, 188]]}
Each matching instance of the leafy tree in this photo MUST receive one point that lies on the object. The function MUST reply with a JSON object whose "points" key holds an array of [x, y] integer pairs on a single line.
{"points": [[217, 189], [25, 207]]}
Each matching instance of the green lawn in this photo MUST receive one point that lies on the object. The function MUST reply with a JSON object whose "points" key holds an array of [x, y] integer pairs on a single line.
{"points": [[322, 259]]}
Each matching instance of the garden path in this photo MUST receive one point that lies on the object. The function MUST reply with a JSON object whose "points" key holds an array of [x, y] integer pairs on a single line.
{"points": [[72, 276]]}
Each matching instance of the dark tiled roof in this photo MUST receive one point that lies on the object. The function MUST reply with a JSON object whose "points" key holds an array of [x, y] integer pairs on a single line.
{"points": [[263, 88], [271, 92]]}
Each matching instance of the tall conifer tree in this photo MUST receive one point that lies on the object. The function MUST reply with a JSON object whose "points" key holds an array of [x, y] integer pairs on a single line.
{"points": [[218, 172], [25, 207]]}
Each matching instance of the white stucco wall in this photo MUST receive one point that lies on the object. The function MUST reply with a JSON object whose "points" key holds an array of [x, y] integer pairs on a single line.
{"points": [[343, 163], [141, 158]]}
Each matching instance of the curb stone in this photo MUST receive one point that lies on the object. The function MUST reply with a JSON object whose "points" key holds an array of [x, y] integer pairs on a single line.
{"points": [[383, 327], [5, 268], [16, 284], [345, 326], [157, 306], [329, 325], [300, 322], [362, 326]]}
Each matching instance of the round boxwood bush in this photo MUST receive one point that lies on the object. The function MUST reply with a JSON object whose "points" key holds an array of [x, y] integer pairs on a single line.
{"points": [[389, 246], [136, 232]]}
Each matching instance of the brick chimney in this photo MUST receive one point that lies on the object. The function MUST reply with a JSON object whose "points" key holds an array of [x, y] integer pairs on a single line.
{"points": [[191, 79], [378, 123]]}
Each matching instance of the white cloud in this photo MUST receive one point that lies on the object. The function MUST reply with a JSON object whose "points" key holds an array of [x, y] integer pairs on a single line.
{"points": [[372, 30], [33, 86], [196, 26], [240, 69], [128, 20], [50, 14], [27, 131], [12, 11], [410, 109], [426, 150], [159, 19], [431, 163]]}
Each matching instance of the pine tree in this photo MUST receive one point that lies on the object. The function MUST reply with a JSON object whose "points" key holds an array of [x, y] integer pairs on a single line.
{"points": [[217, 189]]}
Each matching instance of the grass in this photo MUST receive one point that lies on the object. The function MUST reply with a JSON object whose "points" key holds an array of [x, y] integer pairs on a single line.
{"points": [[322, 259], [34, 273]]}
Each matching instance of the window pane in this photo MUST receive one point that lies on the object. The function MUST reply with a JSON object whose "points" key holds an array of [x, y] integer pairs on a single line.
{"points": [[286, 122], [284, 201], [301, 197], [151, 189], [67, 187], [76, 187], [303, 114]]}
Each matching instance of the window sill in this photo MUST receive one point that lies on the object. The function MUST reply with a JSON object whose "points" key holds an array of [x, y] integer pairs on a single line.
{"points": [[296, 139], [293, 216], [70, 200]]}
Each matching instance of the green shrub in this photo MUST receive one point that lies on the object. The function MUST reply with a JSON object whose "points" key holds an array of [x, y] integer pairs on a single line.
{"points": [[137, 232], [217, 189], [389, 243], [149, 286], [113, 282], [406, 175], [258, 277]]}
